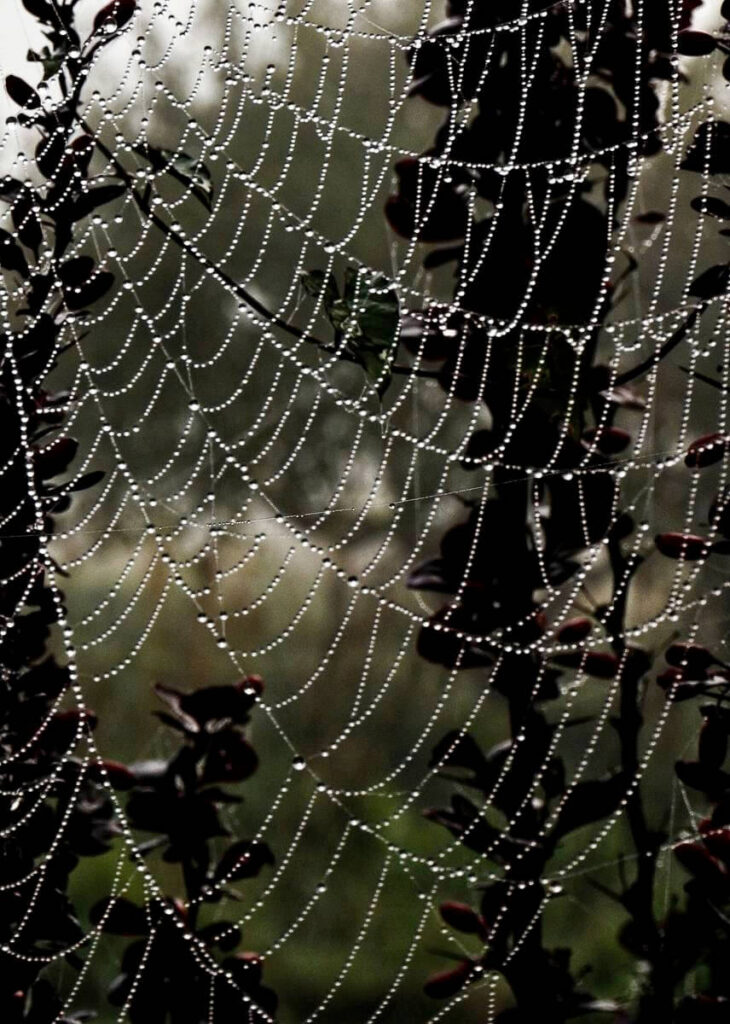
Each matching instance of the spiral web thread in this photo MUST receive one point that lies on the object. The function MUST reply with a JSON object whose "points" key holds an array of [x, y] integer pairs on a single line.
{"points": [[263, 503]]}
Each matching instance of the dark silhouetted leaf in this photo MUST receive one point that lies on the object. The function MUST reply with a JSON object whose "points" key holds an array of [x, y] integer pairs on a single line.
{"points": [[712, 206], [115, 15], [87, 480], [230, 759], [713, 282], [438, 257], [11, 255], [123, 916], [55, 457], [211, 708], [96, 287], [602, 664], [94, 198], [10, 188], [590, 801], [705, 778], [76, 271], [25, 221], [224, 934], [41, 9], [461, 750], [50, 152], [695, 44], [21, 93], [650, 217], [710, 149], [713, 740]]}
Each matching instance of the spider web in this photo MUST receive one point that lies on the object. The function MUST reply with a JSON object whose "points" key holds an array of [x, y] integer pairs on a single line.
{"points": [[264, 505]]}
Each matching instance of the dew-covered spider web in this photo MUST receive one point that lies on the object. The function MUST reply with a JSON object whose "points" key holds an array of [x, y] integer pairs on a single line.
{"points": [[280, 470]]}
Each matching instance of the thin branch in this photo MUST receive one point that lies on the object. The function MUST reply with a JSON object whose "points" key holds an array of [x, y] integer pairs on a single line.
{"points": [[237, 289], [668, 346], [704, 378]]}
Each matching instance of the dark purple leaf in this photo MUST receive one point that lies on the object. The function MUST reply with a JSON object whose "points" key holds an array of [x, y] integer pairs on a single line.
{"points": [[574, 630], [682, 545], [447, 983], [697, 859], [462, 918], [118, 775], [717, 841], [706, 451], [692, 659]]}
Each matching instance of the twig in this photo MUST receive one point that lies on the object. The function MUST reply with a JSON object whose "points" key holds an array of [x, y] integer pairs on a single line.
{"points": [[704, 378], [238, 289], [656, 357]]}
